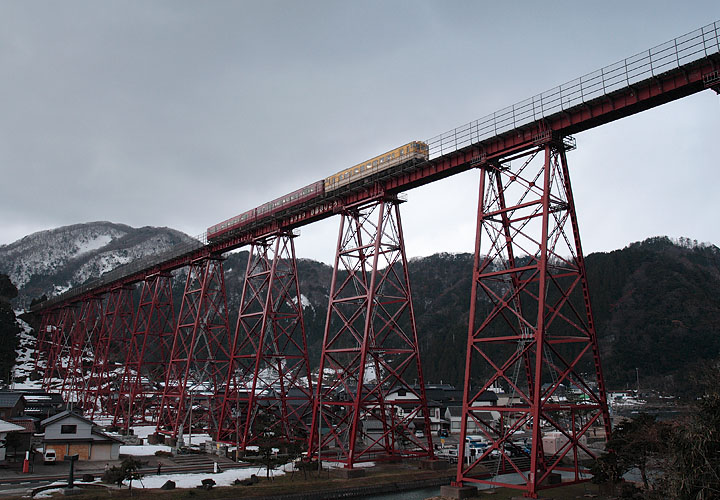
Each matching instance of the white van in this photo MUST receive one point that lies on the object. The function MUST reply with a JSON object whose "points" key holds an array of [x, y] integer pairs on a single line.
{"points": [[49, 456]]}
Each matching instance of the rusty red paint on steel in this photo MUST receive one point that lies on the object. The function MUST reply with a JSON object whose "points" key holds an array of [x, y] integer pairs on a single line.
{"points": [[533, 338], [113, 342], [147, 354], [269, 366], [199, 357], [369, 298]]}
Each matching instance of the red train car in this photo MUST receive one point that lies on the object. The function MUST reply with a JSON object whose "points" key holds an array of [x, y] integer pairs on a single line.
{"points": [[226, 226], [416, 150], [266, 210], [291, 199]]}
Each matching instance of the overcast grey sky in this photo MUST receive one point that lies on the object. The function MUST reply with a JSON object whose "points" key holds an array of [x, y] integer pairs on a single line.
{"points": [[181, 114]]}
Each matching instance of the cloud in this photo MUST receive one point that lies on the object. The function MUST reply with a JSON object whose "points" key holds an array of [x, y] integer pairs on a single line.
{"points": [[174, 113]]}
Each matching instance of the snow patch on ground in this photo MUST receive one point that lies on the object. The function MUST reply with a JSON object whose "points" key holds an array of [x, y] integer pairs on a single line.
{"points": [[225, 478], [94, 242], [143, 431], [25, 360], [304, 302], [142, 450], [185, 480]]}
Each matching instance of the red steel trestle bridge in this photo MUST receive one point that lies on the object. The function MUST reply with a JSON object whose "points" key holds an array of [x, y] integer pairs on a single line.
{"points": [[118, 348]]}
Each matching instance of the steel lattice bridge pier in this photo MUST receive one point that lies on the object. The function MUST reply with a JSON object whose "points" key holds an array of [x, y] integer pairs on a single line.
{"points": [[531, 327]]}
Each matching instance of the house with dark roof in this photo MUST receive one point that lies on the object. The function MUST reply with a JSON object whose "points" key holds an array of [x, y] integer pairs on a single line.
{"points": [[43, 404], [69, 433], [6, 427], [23, 440], [12, 404], [453, 414], [440, 397]]}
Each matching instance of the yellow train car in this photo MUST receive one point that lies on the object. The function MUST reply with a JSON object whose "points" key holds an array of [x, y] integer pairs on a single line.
{"points": [[406, 152]]}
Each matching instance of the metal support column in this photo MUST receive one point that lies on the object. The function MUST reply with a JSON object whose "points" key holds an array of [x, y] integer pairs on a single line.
{"points": [[60, 346], [531, 330], [141, 385], [110, 348], [269, 388], [49, 320], [85, 334], [370, 400], [199, 357]]}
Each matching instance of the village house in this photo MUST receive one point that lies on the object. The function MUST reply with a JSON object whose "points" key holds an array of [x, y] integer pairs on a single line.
{"points": [[6, 427], [12, 404], [454, 415], [68, 434], [42, 404]]}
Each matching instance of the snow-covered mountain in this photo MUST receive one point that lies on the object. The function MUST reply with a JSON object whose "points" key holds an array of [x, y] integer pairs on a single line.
{"points": [[50, 262]]}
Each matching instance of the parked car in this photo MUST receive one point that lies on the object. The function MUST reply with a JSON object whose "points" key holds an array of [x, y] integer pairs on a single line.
{"points": [[449, 454], [49, 457]]}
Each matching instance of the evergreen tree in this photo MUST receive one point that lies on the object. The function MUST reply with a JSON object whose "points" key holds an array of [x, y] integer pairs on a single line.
{"points": [[693, 472], [9, 328]]}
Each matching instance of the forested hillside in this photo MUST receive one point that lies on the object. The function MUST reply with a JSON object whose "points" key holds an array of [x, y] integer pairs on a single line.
{"points": [[657, 307]]}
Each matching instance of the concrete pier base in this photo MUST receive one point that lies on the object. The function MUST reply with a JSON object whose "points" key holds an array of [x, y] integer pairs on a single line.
{"points": [[458, 491], [347, 473], [434, 464], [554, 479]]}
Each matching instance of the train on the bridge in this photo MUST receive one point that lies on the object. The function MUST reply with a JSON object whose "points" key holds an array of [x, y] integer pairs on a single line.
{"points": [[415, 150]]}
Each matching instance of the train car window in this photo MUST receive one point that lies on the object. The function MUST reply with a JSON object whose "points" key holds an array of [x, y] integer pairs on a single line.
{"points": [[357, 170], [375, 163]]}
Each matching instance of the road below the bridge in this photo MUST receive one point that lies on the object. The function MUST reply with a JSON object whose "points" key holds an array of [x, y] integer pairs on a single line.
{"points": [[13, 482]]}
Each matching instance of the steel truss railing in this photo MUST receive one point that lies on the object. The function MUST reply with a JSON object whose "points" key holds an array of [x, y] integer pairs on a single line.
{"points": [[667, 56]]}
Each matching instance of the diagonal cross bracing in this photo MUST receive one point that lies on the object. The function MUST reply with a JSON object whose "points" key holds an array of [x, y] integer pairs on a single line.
{"points": [[103, 382], [141, 384], [531, 330], [370, 396], [199, 356], [269, 388]]}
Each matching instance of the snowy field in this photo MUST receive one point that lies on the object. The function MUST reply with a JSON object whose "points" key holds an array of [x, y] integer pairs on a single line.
{"points": [[225, 478], [185, 480]]}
